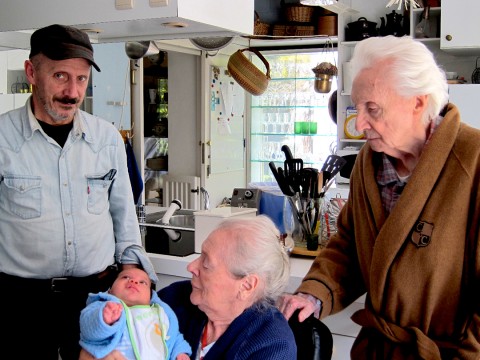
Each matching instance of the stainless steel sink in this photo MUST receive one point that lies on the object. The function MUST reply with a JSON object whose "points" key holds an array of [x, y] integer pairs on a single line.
{"points": [[180, 219], [186, 221]]}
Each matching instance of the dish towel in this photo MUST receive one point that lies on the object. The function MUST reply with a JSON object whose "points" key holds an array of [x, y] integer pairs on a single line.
{"points": [[136, 180]]}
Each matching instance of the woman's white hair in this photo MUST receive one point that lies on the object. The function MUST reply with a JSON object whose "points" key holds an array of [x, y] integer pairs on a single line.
{"points": [[257, 250], [413, 69]]}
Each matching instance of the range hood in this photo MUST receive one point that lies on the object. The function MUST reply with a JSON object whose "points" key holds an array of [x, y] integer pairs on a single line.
{"points": [[124, 20]]}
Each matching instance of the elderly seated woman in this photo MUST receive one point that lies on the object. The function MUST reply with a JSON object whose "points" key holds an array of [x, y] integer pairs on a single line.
{"points": [[227, 310]]}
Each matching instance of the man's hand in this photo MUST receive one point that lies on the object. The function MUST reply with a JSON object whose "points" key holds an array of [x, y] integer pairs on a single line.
{"points": [[306, 303], [112, 312], [114, 355]]}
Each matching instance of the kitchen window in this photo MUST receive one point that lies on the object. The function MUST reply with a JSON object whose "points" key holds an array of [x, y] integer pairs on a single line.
{"points": [[290, 112]]}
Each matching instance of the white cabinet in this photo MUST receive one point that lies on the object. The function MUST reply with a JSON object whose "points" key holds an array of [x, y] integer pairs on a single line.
{"points": [[177, 19], [345, 50], [424, 24], [6, 103], [12, 101], [460, 26], [13, 84], [3, 74]]}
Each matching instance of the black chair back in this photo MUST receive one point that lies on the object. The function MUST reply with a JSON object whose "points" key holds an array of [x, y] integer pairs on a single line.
{"points": [[314, 339]]}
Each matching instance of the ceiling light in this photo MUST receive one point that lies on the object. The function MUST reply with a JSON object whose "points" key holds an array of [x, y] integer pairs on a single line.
{"points": [[330, 5], [175, 24]]}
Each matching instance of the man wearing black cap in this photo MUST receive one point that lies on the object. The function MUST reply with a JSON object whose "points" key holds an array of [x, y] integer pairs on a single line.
{"points": [[67, 214]]}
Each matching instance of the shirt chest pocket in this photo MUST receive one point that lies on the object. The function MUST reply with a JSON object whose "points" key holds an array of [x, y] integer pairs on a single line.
{"points": [[98, 193], [22, 195]]}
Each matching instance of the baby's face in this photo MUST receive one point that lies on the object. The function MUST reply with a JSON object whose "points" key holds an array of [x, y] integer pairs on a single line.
{"points": [[133, 286]]}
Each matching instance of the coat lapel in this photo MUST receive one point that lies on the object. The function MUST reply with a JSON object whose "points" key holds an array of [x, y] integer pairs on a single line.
{"points": [[396, 228]]}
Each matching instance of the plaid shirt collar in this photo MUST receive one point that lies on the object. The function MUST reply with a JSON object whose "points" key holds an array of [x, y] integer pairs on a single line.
{"points": [[389, 184]]}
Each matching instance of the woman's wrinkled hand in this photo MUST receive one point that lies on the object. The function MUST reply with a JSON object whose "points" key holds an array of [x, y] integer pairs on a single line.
{"points": [[306, 303]]}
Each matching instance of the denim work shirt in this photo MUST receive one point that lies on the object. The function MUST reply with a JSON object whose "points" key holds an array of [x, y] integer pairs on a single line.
{"points": [[59, 215]]}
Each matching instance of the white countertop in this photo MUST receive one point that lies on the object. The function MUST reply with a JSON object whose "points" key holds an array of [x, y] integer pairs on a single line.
{"points": [[177, 266]]}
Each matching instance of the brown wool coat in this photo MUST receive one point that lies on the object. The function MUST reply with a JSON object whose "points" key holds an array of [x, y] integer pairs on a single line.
{"points": [[422, 283]]}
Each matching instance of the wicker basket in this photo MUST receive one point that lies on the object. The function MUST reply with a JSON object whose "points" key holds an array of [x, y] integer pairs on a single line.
{"points": [[293, 30], [247, 75], [260, 28], [299, 13]]}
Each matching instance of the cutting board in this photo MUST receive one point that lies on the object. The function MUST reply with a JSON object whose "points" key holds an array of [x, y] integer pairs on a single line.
{"points": [[302, 251]]}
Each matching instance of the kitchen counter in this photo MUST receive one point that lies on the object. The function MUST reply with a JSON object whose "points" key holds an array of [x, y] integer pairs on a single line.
{"points": [[177, 266]]}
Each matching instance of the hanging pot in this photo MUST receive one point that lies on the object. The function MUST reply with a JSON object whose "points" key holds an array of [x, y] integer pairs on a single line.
{"points": [[323, 83], [247, 75]]}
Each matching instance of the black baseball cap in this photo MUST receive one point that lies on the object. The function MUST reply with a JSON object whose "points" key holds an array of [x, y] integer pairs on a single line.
{"points": [[60, 42]]}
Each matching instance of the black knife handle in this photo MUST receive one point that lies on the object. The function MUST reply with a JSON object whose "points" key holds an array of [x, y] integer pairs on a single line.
{"points": [[287, 152]]}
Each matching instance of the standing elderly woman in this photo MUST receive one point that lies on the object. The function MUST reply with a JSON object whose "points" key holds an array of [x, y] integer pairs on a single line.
{"points": [[227, 310], [408, 236]]}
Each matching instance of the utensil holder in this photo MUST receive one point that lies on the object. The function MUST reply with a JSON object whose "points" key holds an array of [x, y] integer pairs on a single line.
{"points": [[305, 226]]}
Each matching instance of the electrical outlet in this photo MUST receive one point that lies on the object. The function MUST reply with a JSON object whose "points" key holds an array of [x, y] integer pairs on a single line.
{"points": [[124, 4]]}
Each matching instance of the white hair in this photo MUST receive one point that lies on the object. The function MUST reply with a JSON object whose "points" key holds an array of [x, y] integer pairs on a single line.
{"points": [[257, 250], [413, 70]]}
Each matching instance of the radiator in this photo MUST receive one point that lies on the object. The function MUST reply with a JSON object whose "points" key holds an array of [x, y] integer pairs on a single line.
{"points": [[180, 187]]}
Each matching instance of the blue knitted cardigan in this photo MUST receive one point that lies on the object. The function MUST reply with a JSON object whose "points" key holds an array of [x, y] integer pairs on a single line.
{"points": [[259, 333]]}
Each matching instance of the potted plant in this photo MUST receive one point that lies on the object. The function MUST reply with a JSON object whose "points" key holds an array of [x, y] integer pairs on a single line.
{"points": [[324, 73]]}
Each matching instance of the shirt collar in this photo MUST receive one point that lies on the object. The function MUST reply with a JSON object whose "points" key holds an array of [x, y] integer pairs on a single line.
{"points": [[386, 173], [79, 126]]}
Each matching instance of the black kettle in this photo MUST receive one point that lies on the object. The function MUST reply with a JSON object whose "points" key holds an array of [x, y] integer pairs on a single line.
{"points": [[394, 24], [360, 29]]}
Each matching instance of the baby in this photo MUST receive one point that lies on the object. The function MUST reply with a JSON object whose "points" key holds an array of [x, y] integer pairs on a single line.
{"points": [[132, 319]]}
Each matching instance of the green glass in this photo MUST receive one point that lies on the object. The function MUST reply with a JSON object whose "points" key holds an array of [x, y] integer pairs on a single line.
{"points": [[298, 127], [305, 127], [313, 128]]}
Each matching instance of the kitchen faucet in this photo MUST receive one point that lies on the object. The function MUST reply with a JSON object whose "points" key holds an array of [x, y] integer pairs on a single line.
{"points": [[206, 198], [174, 206]]}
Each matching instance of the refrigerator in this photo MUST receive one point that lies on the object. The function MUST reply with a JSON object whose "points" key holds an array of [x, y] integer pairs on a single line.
{"points": [[291, 112]]}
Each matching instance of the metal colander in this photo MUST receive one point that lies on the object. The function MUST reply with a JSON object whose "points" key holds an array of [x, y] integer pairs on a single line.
{"points": [[211, 43]]}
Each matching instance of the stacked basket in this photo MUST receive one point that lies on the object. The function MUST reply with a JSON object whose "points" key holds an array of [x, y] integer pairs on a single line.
{"points": [[260, 27], [299, 18]]}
